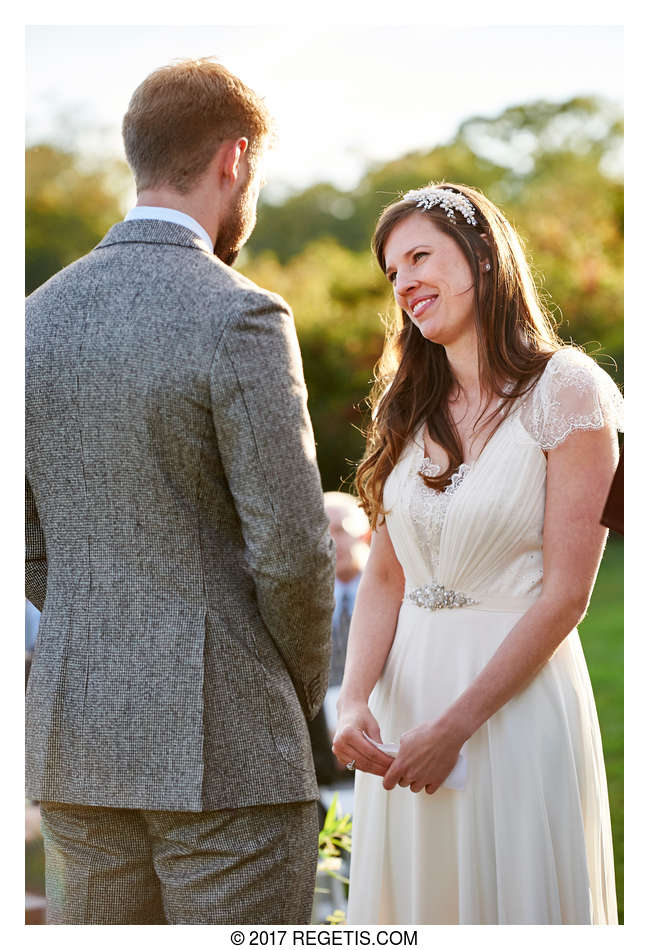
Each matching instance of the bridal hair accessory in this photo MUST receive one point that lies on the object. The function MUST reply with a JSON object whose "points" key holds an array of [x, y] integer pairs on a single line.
{"points": [[449, 201]]}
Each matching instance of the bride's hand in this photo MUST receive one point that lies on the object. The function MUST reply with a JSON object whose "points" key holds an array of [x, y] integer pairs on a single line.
{"points": [[427, 755], [350, 745]]}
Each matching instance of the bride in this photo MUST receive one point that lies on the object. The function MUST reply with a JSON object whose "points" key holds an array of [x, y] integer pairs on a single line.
{"points": [[466, 705]]}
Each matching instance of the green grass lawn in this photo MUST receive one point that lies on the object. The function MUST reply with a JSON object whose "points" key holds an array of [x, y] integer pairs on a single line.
{"points": [[602, 638]]}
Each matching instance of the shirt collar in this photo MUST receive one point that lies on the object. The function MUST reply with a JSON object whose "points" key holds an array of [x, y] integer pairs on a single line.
{"points": [[170, 214]]}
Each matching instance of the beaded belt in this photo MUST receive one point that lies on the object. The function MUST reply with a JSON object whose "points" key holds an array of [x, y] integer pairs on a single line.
{"points": [[438, 597]]}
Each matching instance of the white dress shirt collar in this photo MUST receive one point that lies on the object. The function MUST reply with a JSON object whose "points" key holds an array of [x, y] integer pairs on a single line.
{"points": [[170, 214]]}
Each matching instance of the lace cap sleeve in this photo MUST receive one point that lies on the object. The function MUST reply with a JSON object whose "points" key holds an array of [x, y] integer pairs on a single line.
{"points": [[573, 392]]}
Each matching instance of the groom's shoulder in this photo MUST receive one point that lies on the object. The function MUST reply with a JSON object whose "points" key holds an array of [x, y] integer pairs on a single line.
{"points": [[58, 285], [221, 292], [194, 274], [237, 290]]}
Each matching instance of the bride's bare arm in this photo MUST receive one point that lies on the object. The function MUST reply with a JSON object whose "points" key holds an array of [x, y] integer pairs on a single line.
{"points": [[371, 634], [374, 621], [579, 476]]}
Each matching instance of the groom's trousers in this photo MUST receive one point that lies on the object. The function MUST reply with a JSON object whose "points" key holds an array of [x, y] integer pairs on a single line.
{"points": [[253, 865]]}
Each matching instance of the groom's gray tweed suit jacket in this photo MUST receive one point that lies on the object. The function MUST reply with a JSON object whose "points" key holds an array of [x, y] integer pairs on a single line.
{"points": [[176, 537]]}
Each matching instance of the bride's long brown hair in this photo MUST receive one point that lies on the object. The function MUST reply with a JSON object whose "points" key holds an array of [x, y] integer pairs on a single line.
{"points": [[413, 379]]}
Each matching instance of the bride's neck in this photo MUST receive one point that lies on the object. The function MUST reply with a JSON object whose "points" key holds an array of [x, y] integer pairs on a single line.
{"points": [[463, 363]]}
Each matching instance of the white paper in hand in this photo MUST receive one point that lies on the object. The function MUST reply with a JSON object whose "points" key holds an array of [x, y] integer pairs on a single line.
{"points": [[456, 779]]}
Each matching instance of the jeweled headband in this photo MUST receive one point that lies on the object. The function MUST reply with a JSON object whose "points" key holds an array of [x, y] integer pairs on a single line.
{"points": [[449, 201]]}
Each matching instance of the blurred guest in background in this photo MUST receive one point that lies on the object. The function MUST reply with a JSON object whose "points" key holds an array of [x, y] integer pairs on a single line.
{"points": [[350, 530], [32, 620], [351, 533]]}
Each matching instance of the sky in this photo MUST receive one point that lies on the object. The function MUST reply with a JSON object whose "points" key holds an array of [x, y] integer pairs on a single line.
{"points": [[342, 96]]}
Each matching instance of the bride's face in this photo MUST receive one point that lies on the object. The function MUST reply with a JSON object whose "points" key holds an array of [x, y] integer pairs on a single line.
{"points": [[432, 280]]}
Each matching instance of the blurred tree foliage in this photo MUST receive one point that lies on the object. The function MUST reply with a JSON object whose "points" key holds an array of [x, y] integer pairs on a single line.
{"points": [[336, 296], [554, 169], [69, 208]]}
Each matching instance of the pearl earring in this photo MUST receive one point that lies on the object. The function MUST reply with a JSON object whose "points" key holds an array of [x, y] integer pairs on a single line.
{"points": [[486, 266]]}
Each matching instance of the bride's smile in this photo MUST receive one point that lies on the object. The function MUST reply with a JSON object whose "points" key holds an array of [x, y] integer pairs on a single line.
{"points": [[432, 280]]}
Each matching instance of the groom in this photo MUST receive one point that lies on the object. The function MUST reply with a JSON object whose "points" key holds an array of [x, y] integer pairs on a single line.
{"points": [[177, 544]]}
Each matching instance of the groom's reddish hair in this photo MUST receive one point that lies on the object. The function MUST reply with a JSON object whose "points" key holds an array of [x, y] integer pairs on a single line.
{"points": [[181, 113]]}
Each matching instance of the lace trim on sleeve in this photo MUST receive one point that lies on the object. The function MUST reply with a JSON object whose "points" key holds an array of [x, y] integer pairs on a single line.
{"points": [[572, 393]]}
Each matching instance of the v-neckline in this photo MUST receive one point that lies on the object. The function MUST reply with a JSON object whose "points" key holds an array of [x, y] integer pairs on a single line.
{"points": [[465, 467], [471, 464]]}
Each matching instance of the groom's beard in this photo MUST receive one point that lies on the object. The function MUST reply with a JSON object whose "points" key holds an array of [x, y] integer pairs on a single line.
{"points": [[237, 226]]}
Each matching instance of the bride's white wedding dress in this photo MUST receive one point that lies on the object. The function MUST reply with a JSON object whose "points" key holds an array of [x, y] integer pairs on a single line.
{"points": [[528, 839]]}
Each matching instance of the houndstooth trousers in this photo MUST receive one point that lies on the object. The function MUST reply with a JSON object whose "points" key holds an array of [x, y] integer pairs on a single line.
{"points": [[253, 865]]}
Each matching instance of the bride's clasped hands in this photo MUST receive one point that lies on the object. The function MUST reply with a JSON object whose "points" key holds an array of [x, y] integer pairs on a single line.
{"points": [[427, 755]]}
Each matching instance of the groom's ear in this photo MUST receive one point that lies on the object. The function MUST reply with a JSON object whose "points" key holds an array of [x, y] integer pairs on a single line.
{"points": [[230, 155]]}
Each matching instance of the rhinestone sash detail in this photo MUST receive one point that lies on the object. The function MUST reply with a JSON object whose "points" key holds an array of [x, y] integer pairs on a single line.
{"points": [[436, 596]]}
